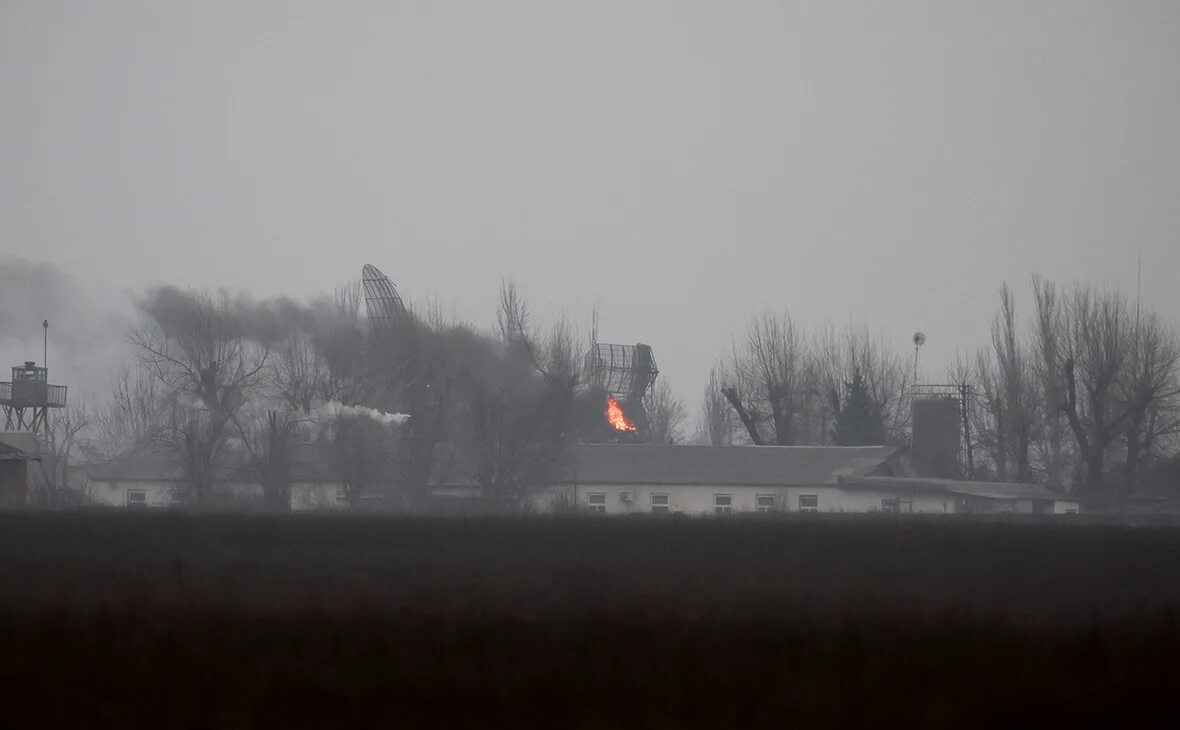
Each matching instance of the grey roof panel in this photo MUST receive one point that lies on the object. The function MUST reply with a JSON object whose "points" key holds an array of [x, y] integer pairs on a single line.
{"points": [[725, 465], [990, 490], [22, 441]]}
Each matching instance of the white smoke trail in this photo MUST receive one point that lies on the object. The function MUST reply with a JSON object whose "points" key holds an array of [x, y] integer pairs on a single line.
{"points": [[336, 409]]}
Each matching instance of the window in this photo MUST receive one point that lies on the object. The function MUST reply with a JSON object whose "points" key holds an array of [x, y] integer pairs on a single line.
{"points": [[597, 501], [808, 503], [178, 496], [722, 504], [136, 498], [765, 502], [341, 494], [659, 503], [891, 505]]}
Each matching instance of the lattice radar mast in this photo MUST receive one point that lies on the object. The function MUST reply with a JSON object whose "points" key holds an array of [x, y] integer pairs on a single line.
{"points": [[624, 371], [382, 303]]}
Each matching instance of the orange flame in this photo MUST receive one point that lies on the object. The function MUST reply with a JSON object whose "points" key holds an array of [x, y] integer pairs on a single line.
{"points": [[615, 415]]}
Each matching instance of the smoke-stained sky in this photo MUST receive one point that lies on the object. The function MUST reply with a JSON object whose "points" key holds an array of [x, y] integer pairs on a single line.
{"points": [[677, 164]]}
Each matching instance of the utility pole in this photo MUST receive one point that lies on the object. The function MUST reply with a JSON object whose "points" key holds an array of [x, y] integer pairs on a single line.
{"points": [[965, 412], [1138, 291], [45, 364]]}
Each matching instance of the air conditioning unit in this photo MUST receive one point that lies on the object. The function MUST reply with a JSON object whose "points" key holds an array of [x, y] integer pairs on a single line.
{"points": [[627, 497]]}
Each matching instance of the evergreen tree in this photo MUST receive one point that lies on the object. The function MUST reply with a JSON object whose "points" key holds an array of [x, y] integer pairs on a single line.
{"points": [[859, 420]]}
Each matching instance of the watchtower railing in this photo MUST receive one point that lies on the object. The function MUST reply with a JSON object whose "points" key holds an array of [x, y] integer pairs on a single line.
{"points": [[32, 394], [56, 396]]}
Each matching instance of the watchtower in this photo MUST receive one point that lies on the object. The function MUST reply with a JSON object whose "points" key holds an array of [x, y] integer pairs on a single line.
{"points": [[26, 400]]}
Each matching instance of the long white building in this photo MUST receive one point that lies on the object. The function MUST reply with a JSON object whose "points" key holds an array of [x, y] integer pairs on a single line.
{"points": [[721, 480], [623, 479]]}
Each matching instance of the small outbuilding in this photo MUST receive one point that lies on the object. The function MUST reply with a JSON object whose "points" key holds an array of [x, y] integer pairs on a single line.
{"points": [[14, 476]]}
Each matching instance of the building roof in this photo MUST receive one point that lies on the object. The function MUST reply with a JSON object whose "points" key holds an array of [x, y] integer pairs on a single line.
{"points": [[159, 462], [11, 453], [989, 490], [311, 462], [760, 466], [22, 441], [152, 462]]}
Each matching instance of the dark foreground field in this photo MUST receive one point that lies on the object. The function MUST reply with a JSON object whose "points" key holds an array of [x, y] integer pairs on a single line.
{"points": [[176, 620]]}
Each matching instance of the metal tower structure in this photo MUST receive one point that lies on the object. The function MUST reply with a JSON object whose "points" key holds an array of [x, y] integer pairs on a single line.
{"points": [[941, 427], [27, 398], [382, 303]]}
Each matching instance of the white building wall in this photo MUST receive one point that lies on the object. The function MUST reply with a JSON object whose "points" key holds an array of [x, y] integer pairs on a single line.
{"points": [[697, 500], [245, 494], [119, 494], [115, 493], [304, 495], [837, 499], [318, 496]]}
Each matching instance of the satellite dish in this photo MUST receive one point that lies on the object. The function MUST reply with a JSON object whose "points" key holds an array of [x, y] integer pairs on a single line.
{"points": [[919, 339]]}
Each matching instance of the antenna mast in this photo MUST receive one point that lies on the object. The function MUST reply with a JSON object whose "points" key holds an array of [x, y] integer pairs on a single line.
{"points": [[1138, 290], [919, 340]]}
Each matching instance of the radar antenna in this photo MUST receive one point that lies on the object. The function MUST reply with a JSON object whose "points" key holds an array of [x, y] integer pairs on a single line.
{"points": [[382, 303], [623, 371]]}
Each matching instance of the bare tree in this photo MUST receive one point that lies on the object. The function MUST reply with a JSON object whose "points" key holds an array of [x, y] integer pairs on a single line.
{"points": [[851, 362], [300, 375], [519, 429], [1046, 368], [666, 415], [1148, 393], [987, 411], [768, 371], [267, 437], [362, 453], [815, 413], [716, 424], [199, 354], [1006, 382], [65, 436], [135, 414], [494, 409], [413, 372], [1097, 340], [554, 352], [340, 341], [518, 394]]}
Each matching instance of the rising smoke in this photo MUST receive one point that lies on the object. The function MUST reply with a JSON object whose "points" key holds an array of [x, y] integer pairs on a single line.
{"points": [[87, 326], [268, 321], [335, 409]]}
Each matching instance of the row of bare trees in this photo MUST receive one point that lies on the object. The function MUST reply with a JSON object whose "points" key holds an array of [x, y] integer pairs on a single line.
{"points": [[781, 385], [1082, 394], [222, 380], [1085, 397]]}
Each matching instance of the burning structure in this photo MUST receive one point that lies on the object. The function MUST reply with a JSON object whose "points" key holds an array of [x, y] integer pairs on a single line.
{"points": [[619, 379]]}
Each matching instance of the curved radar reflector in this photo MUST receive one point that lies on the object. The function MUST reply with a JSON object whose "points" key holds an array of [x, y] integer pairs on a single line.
{"points": [[382, 302], [623, 371]]}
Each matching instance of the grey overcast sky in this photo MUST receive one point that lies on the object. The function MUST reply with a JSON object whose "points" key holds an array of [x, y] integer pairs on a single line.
{"points": [[679, 165]]}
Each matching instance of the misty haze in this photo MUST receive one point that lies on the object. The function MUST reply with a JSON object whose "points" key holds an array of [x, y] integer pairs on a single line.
{"points": [[627, 364]]}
